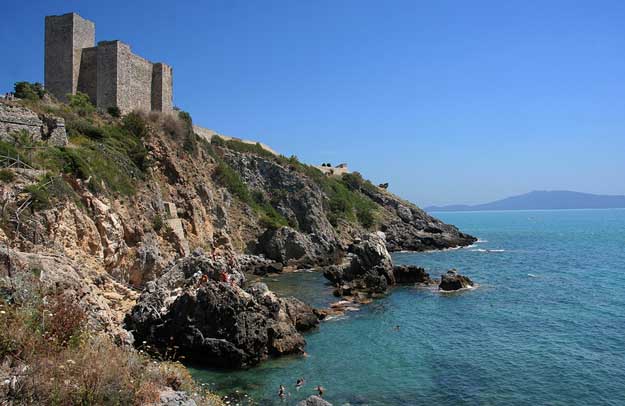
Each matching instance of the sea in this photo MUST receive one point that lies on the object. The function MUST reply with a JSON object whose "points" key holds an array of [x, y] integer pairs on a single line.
{"points": [[544, 326]]}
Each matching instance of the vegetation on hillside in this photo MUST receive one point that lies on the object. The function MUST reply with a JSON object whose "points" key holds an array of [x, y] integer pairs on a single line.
{"points": [[46, 342], [345, 200]]}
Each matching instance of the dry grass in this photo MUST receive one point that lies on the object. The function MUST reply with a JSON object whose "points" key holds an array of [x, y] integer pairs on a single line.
{"points": [[47, 357]]}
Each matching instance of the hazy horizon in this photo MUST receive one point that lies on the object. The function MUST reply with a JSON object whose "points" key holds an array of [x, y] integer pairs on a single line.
{"points": [[450, 103]]}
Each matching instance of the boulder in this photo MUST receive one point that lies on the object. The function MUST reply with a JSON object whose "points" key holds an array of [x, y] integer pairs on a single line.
{"points": [[367, 267], [171, 397], [411, 274], [452, 280], [200, 308], [314, 400], [258, 265]]}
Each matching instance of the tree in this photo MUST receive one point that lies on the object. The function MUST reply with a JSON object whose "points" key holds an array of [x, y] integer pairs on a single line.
{"points": [[29, 91]]}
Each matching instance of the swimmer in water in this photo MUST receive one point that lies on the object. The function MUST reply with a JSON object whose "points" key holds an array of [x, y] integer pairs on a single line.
{"points": [[397, 327], [282, 392], [299, 383], [320, 390]]}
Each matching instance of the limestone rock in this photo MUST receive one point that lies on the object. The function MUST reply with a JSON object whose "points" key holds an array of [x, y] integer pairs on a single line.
{"points": [[15, 118], [171, 397], [368, 267], [452, 280], [215, 322], [411, 274], [314, 401]]}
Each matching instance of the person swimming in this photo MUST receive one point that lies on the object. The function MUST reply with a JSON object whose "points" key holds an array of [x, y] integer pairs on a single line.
{"points": [[299, 383], [320, 390], [282, 392]]}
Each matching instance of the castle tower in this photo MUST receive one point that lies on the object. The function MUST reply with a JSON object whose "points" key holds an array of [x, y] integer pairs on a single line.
{"points": [[109, 73], [162, 78], [66, 37]]}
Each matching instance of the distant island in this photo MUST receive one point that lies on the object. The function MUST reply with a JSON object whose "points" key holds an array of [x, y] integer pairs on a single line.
{"points": [[536, 200]]}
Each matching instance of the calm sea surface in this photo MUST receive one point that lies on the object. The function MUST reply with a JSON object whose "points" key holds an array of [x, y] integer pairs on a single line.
{"points": [[545, 327]]}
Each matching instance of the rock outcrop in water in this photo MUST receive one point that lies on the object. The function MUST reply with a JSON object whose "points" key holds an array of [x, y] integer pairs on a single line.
{"points": [[452, 280], [411, 274], [200, 308], [314, 401], [367, 269]]}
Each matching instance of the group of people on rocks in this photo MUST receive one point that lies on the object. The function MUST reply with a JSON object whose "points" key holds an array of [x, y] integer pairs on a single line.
{"points": [[282, 393], [9, 96], [223, 276]]}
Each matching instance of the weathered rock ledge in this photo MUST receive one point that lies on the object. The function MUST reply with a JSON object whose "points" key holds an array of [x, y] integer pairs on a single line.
{"points": [[200, 309], [452, 280]]}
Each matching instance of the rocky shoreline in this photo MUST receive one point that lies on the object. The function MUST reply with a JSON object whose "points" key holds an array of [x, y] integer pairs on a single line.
{"points": [[154, 237], [203, 310]]}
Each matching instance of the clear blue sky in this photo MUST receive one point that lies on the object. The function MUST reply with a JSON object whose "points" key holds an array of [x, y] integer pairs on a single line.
{"points": [[449, 101]]}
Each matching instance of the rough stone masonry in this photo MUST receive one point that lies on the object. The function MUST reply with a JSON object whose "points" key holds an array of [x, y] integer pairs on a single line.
{"points": [[109, 73]]}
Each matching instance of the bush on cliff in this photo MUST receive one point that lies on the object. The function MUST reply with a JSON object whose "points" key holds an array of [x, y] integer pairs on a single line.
{"points": [[49, 356], [29, 91], [114, 111], [80, 103]]}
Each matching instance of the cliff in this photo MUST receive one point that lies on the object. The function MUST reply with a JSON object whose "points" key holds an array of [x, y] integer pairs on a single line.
{"points": [[138, 221], [126, 197]]}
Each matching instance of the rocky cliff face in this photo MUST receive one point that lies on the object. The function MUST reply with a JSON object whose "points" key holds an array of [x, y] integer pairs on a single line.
{"points": [[224, 198], [199, 308]]}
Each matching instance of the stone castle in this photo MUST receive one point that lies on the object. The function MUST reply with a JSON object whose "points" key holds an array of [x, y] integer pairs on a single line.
{"points": [[109, 73]]}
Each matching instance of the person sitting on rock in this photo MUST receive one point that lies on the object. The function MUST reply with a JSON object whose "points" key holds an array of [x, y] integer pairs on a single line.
{"points": [[224, 277]]}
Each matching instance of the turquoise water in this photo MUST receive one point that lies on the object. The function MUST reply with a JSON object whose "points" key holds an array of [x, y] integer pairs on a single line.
{"points": [[545, 327]]}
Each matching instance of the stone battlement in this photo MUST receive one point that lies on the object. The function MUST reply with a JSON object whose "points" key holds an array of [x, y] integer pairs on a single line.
{"points": [[209, 134], [109, 73]]}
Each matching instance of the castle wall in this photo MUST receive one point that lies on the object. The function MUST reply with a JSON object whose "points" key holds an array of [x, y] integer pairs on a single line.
{"points": [[88, 75], [107, 74], [134, 75], [162, 87], [110, 74], [65, 36], [83, 37]]}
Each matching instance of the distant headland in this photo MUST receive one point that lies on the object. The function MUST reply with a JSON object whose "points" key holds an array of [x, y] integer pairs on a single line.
{"points": [[547, 200]]}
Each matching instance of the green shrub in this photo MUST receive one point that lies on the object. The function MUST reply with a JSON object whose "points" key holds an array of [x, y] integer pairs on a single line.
{"points": [[190, 140], [80, 103], [218, 141], [49, 190], [227, 177], [157, 222], [135, 124], [22, 139], [29, 91], [6, 175], [114, 111], [82, 126]]}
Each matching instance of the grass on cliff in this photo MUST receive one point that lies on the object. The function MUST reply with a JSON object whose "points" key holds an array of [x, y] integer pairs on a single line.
{"points": [[227, 177], [49, 357], [345, 201], [107, 154]]}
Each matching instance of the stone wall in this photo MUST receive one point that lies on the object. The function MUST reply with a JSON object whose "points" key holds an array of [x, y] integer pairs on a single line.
{"points": [[88, 76], [14, 118], [110, 74], [162, 87], [83, 37], [65, 36], [107, 74], [134, 81], [208, 135], [59, 54]]}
